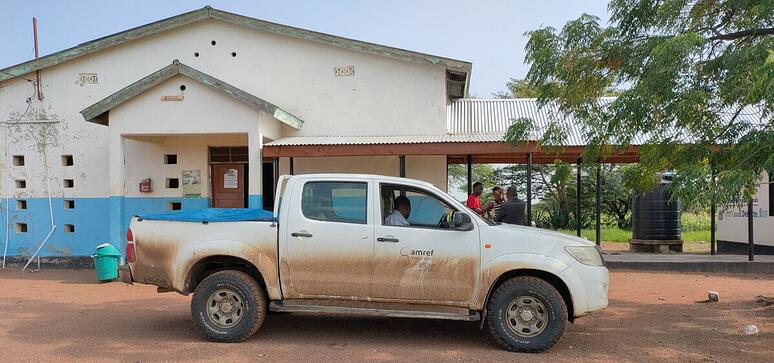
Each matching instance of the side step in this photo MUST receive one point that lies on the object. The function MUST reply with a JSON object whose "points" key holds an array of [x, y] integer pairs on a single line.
{"points": [[280, 306]]}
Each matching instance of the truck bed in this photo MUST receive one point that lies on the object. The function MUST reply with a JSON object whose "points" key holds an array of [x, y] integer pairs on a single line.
{"points": [[170, 246]]}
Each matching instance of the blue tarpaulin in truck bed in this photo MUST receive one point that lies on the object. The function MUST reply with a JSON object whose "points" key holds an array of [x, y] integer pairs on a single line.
{"points": [[214, 215]]}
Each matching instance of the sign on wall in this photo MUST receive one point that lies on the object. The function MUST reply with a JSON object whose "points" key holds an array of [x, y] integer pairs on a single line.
{"points": [[344, 71], [87, 78], [192, 183], [231, 179]]}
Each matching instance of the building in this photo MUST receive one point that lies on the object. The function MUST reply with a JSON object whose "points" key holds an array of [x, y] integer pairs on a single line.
{"points": [[732, 233], [175, 115], [207, 108]]}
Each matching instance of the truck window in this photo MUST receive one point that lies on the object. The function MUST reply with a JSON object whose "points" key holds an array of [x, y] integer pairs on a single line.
{"points": [[335, 201], [426, 209]]}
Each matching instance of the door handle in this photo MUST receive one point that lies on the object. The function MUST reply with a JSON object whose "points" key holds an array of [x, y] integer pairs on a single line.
{"points": [[387, 239], [300, 234]]}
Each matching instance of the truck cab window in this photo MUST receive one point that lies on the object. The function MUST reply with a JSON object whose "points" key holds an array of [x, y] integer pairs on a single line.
{"points": [[335, 201], [426, 210]]}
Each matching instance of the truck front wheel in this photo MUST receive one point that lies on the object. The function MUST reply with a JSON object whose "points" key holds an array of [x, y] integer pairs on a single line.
{"points": [[526, 314], [228, 306]]}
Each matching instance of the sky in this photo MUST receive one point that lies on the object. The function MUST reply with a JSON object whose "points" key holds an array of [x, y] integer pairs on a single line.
{"points": [[488, 33]]}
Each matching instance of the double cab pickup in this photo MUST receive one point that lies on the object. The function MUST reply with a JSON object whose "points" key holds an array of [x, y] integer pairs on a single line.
{"points": [[333, 246]]}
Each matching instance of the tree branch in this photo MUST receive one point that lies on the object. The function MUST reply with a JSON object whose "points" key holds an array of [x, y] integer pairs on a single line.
{"points": [[743, 34]]}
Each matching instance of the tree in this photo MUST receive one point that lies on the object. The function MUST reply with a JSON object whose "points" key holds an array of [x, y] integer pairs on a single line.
{"points": [[458, 176], [697, 80], [517, 88]]}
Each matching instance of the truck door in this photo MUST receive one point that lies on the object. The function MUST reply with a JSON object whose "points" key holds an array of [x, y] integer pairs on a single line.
{"points": [[427, 259], [328, 239]]}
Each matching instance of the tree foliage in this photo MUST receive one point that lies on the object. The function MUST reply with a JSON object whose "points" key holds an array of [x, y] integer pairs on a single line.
{"points": [[697, 91], [554, 190], [517, 88]]}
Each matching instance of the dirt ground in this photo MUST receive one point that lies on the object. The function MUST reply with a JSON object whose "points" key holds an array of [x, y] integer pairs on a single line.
{"points": [[67, 315]]}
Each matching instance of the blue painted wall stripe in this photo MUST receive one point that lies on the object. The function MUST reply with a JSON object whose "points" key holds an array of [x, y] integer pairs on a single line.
{"points": [[96, 221]]}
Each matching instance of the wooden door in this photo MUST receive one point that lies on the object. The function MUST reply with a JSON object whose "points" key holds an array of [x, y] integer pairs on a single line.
{"points": [[228, 185]]}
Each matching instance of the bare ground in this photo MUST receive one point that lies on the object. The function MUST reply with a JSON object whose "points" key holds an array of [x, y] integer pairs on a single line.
{"points": [[66, 315]]}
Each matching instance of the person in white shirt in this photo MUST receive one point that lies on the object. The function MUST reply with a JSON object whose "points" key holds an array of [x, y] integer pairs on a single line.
{"points": [[401, 211]]}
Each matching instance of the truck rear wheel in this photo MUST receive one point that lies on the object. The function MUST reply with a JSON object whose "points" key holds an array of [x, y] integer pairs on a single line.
{"points": [[228, 306], [526, 314]]}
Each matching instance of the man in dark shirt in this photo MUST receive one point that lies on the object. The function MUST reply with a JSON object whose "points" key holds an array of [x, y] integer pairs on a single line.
{"points": [[512, 211]]}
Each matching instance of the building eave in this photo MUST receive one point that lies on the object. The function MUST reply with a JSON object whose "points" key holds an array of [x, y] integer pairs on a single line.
{"points": [[92, 113]]}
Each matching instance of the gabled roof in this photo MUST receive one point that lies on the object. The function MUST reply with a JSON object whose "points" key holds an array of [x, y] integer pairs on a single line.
{"points": [[93, 112], [458, 71]]}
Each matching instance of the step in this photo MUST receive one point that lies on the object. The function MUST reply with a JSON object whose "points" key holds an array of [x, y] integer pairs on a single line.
{"points": [[280, 306]]}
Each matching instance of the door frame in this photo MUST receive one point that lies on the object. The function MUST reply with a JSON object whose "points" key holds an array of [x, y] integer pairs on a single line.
{"points": [[210, 163]]}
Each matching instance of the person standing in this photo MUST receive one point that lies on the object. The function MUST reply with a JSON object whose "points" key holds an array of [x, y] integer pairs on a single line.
{"points": [[512, 211], [499, 198], [474, 203]]}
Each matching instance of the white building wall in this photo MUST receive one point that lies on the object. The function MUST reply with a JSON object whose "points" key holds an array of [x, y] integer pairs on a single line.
{"points": [[384, 97], [732, 220], [144, 157], [429, 168]]}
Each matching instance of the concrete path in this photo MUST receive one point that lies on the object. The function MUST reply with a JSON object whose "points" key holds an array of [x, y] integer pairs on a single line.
{"points": [[763, 264]]}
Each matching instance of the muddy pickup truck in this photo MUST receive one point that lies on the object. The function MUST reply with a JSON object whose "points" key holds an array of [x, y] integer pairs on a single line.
{"points": [[368, 245]]}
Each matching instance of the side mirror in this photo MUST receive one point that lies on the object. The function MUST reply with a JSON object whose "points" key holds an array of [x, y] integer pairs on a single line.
{"points": [[462, 221]]}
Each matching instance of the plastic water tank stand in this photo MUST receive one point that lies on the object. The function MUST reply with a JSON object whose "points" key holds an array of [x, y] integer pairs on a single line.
{"points": [[655, 246]]}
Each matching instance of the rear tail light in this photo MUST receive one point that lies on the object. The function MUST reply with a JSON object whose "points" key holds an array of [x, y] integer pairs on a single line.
{"points": [[130, 256]]}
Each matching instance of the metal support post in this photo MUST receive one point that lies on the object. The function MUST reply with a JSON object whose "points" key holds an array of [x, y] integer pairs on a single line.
{"points": [[578, 198], [598, 209], [750, 239], [529, 189], [469, 161]]}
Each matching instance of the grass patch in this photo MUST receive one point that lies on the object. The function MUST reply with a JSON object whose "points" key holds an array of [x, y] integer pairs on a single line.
{"points": [[695, 228], [618, 235]]}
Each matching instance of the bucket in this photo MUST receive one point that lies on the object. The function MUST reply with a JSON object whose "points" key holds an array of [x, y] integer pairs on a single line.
{"points": [[106, 262]]}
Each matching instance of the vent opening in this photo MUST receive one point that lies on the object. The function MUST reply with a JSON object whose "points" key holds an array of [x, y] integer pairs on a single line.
{"points": [[173, 183], [18, 160], [67, 160]]}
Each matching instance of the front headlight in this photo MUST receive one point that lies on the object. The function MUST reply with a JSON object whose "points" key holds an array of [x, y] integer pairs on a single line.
{"points": [[587, 255]]}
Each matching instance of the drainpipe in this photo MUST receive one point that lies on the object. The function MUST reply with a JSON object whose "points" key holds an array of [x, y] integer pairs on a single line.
{"points": [[50, 211], [7, 198]]}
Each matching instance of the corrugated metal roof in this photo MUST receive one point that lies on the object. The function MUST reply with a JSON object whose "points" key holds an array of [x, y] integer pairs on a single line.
{"points": [[486, 120], [493, 117]]}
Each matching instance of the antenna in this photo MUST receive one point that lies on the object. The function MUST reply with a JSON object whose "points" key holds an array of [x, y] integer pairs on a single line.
{"points": [[37, 55]]}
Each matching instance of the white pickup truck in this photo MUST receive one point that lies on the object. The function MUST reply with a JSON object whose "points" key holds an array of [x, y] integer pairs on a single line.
{"points": [[330, 248]]}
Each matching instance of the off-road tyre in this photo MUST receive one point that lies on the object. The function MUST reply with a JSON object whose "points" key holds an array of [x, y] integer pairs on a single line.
{"points": [[245, 288], [530, 287]]}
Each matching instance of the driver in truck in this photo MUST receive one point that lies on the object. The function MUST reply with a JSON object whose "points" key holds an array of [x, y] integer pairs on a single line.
{"points": [[400, 213]]}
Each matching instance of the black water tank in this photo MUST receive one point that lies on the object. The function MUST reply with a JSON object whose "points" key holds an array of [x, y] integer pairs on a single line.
{"points": [[654, 217]]}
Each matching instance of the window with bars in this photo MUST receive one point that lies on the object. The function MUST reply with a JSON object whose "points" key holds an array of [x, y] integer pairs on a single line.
{"points": [[236, 154]]}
